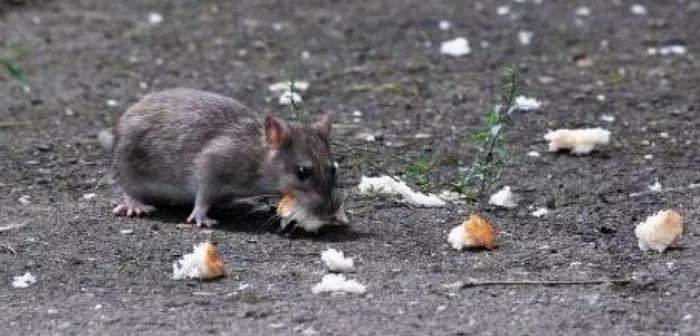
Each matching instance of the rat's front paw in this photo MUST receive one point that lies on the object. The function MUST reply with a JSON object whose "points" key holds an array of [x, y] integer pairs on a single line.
{"points": [[199, 217], [132, 208]]}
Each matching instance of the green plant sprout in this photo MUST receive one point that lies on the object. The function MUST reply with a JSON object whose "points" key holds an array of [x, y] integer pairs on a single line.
{"points": [[493, 153], [14, 74], [297, 107]]}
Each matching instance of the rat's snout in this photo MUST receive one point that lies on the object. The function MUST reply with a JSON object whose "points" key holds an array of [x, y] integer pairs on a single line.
{"points": [[324, 205]]}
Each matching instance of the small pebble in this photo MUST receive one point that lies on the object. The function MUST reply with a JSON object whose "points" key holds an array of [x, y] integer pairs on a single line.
{"points": [[89, 196], [607, 118], [25, 200], [444, 25], [638, 9], [155, 18], [127, 232], [648, 157], [583, 11], [503, 10]]}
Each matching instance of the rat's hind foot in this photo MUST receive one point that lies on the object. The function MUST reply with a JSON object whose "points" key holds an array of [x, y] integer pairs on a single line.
{"points": [[131, 207], [199, 216]]}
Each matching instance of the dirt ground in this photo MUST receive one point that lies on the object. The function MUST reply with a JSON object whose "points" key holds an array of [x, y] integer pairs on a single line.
{"points": [[381, 58]]}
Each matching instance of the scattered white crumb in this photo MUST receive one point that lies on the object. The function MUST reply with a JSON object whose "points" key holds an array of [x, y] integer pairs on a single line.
{"points": [[450, 196], [503, 198], [287, 97], [648, 157], [527, 104], [546, 79], [675, 49], [112, 103], [337, 283], [600, 98], [98, 306], [281, 87], [656, 187], [503, 10], [89, 196], [525, 37], [638, 9], [335, 261], [393, 186], [422, 136], [23, 281], [369, 137], [277, 26], [579, 141], [127, 232], [659, 231], [663, 135], [357, 113], [305, 55], [668, 50], [583, 11], [456, 237], [457, 47], [25, 200], [155, 18], [540, 212], [533, 154], [484, 44], [607, 118], [444, 25]]}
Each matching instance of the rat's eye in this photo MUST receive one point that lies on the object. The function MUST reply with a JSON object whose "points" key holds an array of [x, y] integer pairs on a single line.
{"points": [[303, 173]]}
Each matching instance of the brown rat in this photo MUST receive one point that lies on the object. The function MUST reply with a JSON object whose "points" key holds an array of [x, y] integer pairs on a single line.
{"points": [[192, 147]]}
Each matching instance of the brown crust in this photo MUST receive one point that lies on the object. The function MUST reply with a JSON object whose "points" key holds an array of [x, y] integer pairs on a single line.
{"points": [[478, 233], [213, 265]]}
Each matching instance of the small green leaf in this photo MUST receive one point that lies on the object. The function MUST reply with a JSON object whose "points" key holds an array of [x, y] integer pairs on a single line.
{"points": [[16, 75]]}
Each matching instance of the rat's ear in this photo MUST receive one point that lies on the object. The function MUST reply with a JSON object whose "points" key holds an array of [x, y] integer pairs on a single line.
{"points": [[326, 123], [275, 131]]}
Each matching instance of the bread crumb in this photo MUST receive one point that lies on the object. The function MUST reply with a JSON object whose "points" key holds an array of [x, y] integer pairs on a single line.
{"points": [[457, 47], [579, 141], [656, 187], [540, 212], [335, 260], [659, 231], [527, 104], [23, 281], [203, 263], [475, 232], [504, 198], [337, 283], [393, 186], [290, 211]]}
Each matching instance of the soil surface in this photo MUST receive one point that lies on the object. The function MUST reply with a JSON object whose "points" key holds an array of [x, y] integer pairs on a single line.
{"points": [[89, 59]]}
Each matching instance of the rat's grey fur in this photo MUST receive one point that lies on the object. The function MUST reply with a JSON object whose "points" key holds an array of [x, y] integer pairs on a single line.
{"points": [[188, 146]]}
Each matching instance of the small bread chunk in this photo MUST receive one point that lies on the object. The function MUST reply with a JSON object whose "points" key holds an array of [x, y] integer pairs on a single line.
{"points": [[336, 283], [579, 141], [475, 232], [336, 261], [659, 231], [204, 263]]}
